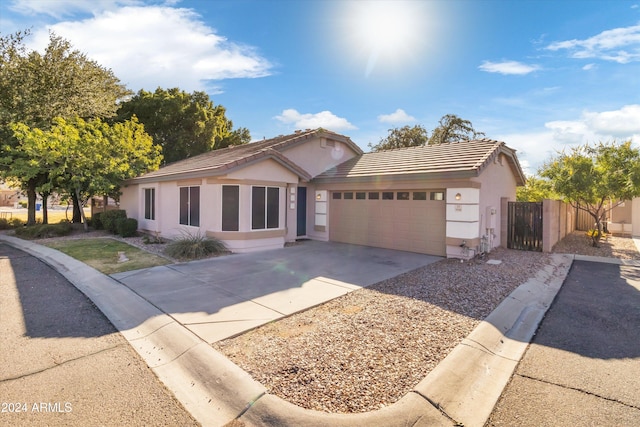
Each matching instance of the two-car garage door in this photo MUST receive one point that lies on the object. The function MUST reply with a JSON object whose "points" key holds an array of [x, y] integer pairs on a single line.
{"points": [[403, 220]]}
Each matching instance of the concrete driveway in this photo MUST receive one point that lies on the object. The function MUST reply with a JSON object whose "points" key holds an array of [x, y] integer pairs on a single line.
{"points": [[221, 297]]}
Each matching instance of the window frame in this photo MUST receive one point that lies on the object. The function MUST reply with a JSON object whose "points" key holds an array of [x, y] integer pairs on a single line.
{"points": [[150, 203], [268, 215], [230, 220], [189, 209]]}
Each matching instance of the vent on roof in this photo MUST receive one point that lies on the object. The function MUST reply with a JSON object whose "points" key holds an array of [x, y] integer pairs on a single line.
{"points": [[324, 142]]}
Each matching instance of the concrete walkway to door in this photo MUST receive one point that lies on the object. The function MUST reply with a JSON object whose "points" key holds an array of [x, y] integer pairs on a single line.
{"points": [[221, 297]]}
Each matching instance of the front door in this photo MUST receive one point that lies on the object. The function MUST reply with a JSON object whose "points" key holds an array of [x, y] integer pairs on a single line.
{"points": [[301, 214]]}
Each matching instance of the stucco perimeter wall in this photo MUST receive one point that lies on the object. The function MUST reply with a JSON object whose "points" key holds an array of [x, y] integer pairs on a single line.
{"points": [[558, 220]]}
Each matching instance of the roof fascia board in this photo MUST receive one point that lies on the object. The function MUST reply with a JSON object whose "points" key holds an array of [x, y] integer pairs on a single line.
{"points": [[398, 177], [224, 170]]}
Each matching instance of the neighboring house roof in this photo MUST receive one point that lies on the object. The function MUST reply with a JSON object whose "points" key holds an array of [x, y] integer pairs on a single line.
{"points": [[220, 162], [450, 160]]}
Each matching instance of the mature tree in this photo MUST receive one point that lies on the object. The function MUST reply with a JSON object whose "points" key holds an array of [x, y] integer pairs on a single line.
{"points": [[452, 128], [406, 136], [183, 124], [238, 136], [37, 87], [82, 158], [596, 178], [536, 189]]}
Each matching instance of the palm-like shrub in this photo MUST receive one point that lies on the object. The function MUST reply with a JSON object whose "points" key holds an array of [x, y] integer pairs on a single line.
{"points": [[194, 246]]}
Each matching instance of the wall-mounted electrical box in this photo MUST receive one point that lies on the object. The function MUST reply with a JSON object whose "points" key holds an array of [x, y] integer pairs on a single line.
{"points": [[491, 218]]}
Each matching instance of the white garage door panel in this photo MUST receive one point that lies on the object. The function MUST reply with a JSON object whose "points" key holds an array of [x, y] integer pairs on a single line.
{"points": [[408, 225]]}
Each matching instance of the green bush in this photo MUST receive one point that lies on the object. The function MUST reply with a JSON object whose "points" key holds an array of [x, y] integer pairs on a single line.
{"points": [[96, 222], [22, 203], [194, 246], [43, 231], [109, 218], [127, 227], [7, 224]]}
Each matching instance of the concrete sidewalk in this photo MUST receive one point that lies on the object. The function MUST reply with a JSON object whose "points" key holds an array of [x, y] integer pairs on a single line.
{"points": [[583, 366]]}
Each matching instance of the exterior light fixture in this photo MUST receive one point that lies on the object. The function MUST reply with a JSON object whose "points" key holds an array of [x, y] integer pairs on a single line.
{"points": [[318, 196], [458, 196]]}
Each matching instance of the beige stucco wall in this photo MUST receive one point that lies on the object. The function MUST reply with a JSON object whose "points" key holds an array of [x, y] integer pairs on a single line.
{"points": [[497, 181], [315, 156], [621, 218], [557, 221], [266, 173]]}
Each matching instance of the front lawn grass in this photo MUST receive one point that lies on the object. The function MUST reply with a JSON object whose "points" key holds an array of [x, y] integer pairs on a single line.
{"points": [[102, 254]]}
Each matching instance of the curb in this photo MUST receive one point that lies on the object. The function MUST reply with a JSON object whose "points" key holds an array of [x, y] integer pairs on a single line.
{"points": [[467, 384], [207, 384], [462, 389]]}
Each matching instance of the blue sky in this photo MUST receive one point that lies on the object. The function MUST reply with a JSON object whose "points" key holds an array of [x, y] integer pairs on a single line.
{"points": [[540, 75]]}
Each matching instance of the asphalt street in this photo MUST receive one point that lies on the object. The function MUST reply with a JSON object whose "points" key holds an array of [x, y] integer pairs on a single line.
{"points": [[62, 363], [583, 366]]}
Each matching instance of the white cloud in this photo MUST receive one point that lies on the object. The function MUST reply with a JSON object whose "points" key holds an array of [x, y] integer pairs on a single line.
{"points": [[537, 146], [621, 124], [532, 148], [620, 45], [398, 116], [153, 46], [590, 66], [61, 8], [323, 119], [508, 67]]}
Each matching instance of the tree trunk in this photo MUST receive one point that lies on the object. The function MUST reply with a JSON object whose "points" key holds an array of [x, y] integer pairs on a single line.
{"points": [[84, 220], [77, 209], [31, 204], [45, 212]]}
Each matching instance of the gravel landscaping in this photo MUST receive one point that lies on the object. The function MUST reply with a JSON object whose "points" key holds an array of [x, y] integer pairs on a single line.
{"points": [[367, 349]]}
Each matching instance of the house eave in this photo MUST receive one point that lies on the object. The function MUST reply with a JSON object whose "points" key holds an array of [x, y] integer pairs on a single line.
{"points": [[428, 176]]}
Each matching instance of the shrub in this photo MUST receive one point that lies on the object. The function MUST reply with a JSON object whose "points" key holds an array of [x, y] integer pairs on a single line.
{"points": [[43, 231], [194, 246], [127, 227], [109, 218], [22, 203], [96, 222], [4, 224]]}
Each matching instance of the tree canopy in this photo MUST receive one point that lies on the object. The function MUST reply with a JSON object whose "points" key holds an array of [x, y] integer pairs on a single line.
{"points": [[407, 136], [183, 124], [35, 88], [451, 128], [80, 158], [536, 189], [61, 82], [595, 178]]}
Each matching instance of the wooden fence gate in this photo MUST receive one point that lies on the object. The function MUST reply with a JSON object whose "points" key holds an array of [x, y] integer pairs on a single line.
{"points": [[525, 226]]}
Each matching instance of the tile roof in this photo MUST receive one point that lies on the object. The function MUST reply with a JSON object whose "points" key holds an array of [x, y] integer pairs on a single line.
{"points": [[219, 162], [464, 158]]}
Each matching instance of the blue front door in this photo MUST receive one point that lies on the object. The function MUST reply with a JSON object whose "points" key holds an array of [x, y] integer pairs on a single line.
{"points": [[301, 213]]}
